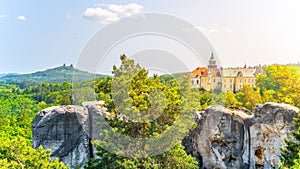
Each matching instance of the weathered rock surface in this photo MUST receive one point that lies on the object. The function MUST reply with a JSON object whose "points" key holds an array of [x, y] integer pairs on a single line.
{"points": [[234, 139], [217, 141], [64, 131], [67, 132], [222, 139], [267, 128]]}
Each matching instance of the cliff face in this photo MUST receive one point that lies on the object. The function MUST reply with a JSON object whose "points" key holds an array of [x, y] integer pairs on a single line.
{"points": [[64, 131], [222, 138], [234, 139], [265, 133], [68, 131], [217, 139]]}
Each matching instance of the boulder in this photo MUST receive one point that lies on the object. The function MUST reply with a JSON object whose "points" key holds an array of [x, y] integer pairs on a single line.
{"points": [[68, 130], [265, 132], [217, 140], [63, 130], [226, 138]]}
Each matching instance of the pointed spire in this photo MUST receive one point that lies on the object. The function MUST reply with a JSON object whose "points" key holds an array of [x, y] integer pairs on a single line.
{"points": [[245, 65], [212, 56], [209, 72]]}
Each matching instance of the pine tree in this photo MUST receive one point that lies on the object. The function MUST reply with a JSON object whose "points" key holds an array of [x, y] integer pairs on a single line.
{"points": [[145, 108], [289, 154]]}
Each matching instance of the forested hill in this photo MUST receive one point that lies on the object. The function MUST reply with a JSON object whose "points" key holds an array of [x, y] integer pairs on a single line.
{"points": [[54, 75], [7, 74]]}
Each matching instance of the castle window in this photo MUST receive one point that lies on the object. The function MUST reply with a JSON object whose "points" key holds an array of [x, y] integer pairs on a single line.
{"points": [[240, 80], [214, 80], [248, 80], [230, 80], [252, 80], [224, 86], [224, 80]]}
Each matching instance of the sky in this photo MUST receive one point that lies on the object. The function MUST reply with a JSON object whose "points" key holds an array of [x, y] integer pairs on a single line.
{"points": [[36, 35]]}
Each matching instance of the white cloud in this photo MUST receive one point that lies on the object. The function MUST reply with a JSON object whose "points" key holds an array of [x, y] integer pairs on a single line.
{"points": [[99, 14], [3, 16], [107, 13], [202, 29], [69, 17], [22, 18], [127, 10], [229, 30], [208, 30], [213, 30]]}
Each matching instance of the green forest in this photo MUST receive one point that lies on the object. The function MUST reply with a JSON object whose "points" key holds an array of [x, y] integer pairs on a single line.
{"points": [[20, 101]]}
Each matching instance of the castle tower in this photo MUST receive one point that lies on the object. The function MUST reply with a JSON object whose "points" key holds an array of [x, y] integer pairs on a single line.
{"points": [[212, 62]]}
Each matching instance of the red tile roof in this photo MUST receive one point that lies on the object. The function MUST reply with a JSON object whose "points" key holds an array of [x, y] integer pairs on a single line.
{"points": [[200, 71]]}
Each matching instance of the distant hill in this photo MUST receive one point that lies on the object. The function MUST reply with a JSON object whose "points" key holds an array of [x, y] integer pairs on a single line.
{"points": [[294, 64], [55, 75], [6, 74]]}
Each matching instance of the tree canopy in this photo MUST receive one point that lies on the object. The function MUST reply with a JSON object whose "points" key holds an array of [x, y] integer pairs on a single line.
{"points": [[280, 84], [17, 110], [145, 107]]}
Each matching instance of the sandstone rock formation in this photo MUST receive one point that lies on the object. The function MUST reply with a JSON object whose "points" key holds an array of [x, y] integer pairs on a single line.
{"points": [[67, 131], [267, 128], [222, 139], [64, 131], [234, 139]]}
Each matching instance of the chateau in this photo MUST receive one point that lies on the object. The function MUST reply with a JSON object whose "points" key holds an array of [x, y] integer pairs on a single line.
{"points": [[226, 79]]}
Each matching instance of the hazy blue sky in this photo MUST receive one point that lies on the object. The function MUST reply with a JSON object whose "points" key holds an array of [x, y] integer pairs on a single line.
{"points": [[35, 35]]}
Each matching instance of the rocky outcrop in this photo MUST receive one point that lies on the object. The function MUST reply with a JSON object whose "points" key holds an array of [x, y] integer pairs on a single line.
{"points": [[63, 130], [217, 141], [265, 132], [233, 139], [222, 139], [67, 131]]}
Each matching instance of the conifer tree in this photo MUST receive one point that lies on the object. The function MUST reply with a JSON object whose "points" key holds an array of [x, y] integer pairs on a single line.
{"points": [[144, 108], [290, 153]]}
